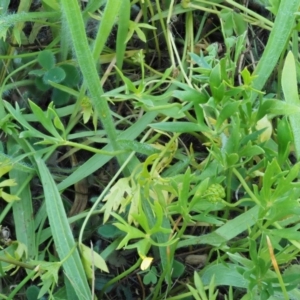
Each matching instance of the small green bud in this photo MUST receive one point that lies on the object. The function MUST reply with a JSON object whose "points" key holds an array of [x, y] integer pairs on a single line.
{"points": [[215, 193]]}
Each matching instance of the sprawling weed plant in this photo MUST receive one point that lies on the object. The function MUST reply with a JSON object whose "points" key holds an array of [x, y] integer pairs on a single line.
{"points": [[149, 149]]}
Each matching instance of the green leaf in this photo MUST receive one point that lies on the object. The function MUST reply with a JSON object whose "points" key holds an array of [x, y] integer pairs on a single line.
{"points": [[123, 25], [290, 90], [8, 197], [32, 292], [46, 59], [72, 75], [227, 275], [117, 196], [61, 233], [269, 178], [180, 127], [227, 22], [55, 74], [279, 36], [146, 149], [140, 34], [199, 286], [131, 232], [178, 269], [239, 23], [150, 277], [226, 232], [109, 231], [44, 119], [38, 73], [23, 210], [291, 233], [41, 85], [285, 138], [91, 258], [277, 107], [215, 83], [228, 110]]}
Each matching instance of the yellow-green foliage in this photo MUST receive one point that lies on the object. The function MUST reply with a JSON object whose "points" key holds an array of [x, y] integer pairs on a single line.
{"points": [[5, 168]]}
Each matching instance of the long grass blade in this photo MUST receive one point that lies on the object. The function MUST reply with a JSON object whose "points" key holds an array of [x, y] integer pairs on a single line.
{"points": [[290, 91], [74, 20], [279, 36], [62, 235]]}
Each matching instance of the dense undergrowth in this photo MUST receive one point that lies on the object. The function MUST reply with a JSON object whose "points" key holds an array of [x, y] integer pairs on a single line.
{"points": [[149, 149]]}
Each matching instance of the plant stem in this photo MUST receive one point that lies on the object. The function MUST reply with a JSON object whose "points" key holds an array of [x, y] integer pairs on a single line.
{"points": [[246, 187], [119, 277]]}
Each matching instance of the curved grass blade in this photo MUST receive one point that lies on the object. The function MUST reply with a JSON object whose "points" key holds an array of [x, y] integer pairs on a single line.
{"points": [[279, 36]]}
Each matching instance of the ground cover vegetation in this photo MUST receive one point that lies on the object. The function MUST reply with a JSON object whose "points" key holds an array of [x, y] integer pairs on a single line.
{"points": [[149, 149]]}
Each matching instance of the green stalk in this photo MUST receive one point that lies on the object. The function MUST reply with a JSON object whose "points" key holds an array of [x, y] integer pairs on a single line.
{"points": [[246, 187], [120, 277], [21, 285]]}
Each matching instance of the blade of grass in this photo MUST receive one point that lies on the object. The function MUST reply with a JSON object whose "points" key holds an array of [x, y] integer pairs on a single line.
{"points": [[74, 20], [290, 91], [279, 36], [62, 235], [226, 232], [122, 33], [110, 13], [23, 210]]}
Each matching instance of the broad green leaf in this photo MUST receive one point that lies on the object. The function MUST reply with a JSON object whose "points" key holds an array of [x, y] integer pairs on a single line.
{"points": [[46, 59], [178, 269], [224, 275], [56, 74], [61, 232], [226, 232]]}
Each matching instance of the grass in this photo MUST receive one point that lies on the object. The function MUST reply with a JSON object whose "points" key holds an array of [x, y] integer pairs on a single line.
{"points": [[149, 149]]}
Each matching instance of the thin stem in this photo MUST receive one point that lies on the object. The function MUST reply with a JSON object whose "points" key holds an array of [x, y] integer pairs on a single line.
{"points": [[246, 187], [21, 284], [120, 277], [92, 149]]}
